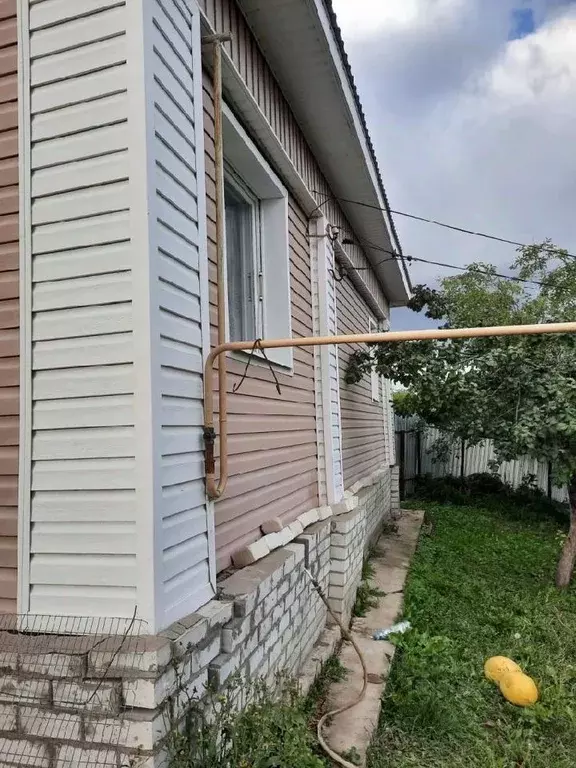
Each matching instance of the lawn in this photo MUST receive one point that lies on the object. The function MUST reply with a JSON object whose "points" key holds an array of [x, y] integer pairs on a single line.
{"points": [[481, 584]]}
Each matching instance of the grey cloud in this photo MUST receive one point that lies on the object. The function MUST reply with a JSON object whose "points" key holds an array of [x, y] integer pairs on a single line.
{"points": [[462, 139], [414, 66]]}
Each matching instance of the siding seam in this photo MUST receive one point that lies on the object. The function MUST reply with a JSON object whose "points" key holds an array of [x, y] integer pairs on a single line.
{"points": [[25, 261]]}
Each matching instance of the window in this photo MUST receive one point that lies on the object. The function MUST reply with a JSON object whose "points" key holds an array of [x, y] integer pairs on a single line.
{"points": [[374, 377], [257, 249], [243, 261]]}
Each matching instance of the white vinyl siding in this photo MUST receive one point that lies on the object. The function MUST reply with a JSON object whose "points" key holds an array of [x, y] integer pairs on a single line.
{"points": [[375, 382], [316, 232], [327, 386], [338, 473], [115, 507], [185, 569], [389, 426], [82, 511]]}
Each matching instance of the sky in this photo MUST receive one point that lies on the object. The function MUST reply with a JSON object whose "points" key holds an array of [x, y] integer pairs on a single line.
{"points": [[471, 106]]}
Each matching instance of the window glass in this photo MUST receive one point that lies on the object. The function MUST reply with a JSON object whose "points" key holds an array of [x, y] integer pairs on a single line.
{"points": [[257, 244], [240, 263]]}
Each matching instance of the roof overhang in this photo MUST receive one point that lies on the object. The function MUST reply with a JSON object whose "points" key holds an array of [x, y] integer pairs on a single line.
{"points": [[303, 47]]}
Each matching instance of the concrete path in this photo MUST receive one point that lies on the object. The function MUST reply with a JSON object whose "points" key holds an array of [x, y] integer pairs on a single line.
{"points": [[391, 561]]}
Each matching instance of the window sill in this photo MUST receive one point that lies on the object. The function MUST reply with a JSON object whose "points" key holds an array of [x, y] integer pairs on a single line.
{"points": [[259, 362]]}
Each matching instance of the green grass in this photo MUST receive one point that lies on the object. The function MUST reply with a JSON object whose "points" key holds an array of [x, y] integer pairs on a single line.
{"points": [[481, 585]]}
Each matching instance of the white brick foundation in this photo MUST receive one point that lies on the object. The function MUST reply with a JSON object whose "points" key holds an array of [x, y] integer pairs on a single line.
{"points": [[55, 710]]}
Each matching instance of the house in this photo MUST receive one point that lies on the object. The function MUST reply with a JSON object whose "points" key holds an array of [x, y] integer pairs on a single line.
{"points": [[109, 308]]}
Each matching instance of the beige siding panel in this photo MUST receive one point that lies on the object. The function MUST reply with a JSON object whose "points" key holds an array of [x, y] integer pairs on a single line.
{"points": [[239, 515], [111, 442], [273, 438], [73, 507], [100, 538], [69, 33], [82, 173], [9, 307], [86, 352], [84, 292], [71, 599], [363, 420], [81, 61], [83, 542], [78, 413], [45, 14], [111, 259], [73, 382], [277, 500], [107, 110]]}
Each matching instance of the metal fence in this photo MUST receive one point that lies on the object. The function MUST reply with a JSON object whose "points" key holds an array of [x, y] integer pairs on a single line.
{"points": [[414, 449]]}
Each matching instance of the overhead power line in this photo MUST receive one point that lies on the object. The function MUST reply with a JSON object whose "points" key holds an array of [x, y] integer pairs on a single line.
{"points": [[396, 257], [442, 224]]}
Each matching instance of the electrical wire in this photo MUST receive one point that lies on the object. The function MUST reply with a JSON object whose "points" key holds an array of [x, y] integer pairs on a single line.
{"points": [[442, 224], [409, 259]]}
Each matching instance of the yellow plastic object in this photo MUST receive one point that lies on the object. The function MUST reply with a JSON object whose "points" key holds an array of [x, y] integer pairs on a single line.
{"points": [[519, 689], [498, 666]]}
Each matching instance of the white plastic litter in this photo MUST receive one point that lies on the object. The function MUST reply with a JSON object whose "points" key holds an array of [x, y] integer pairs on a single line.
{"points": [[396, 629]]}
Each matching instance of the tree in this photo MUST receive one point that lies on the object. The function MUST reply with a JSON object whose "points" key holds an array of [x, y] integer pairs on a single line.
{"points": [[519, 392]]}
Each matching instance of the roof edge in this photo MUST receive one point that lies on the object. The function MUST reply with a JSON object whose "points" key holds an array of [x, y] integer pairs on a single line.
{"points": [[329, 7]]}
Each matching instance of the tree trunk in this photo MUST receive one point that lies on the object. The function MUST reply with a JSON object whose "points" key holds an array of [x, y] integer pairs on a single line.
{"points": [[568, 556]]}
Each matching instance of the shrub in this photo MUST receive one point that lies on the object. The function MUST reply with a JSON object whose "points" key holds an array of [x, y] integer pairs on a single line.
{"points": [[485, 489]]}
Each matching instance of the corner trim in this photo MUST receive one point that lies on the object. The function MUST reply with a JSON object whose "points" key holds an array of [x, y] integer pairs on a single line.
{"points": [[25, 306], [146, 395]]}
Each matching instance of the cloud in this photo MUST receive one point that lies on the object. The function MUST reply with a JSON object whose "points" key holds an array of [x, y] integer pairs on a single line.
{"points": [[473, 128], [370, 17]]}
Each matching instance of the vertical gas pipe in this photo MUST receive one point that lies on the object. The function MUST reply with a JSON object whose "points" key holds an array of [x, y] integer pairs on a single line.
{"points": [[216, 489]]}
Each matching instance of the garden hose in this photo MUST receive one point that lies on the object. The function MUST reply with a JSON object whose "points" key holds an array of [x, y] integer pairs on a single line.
{"points": [[346, 634]]}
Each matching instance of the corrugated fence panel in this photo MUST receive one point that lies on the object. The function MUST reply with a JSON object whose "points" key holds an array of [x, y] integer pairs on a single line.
{"points": [[477, 459], [83, 510]]}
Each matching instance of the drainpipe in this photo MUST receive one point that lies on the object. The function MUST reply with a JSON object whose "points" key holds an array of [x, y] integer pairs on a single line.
{"points": [[216, 491]]}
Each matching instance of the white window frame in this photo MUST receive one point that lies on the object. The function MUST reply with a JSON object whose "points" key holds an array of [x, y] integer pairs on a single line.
{"points": [[241, 190], [374, 377], [247, 167]]}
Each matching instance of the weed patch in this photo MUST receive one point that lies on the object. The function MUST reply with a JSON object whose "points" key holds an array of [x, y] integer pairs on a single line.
{"points": [[367, 595], [275, 729], [271, 731]]}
